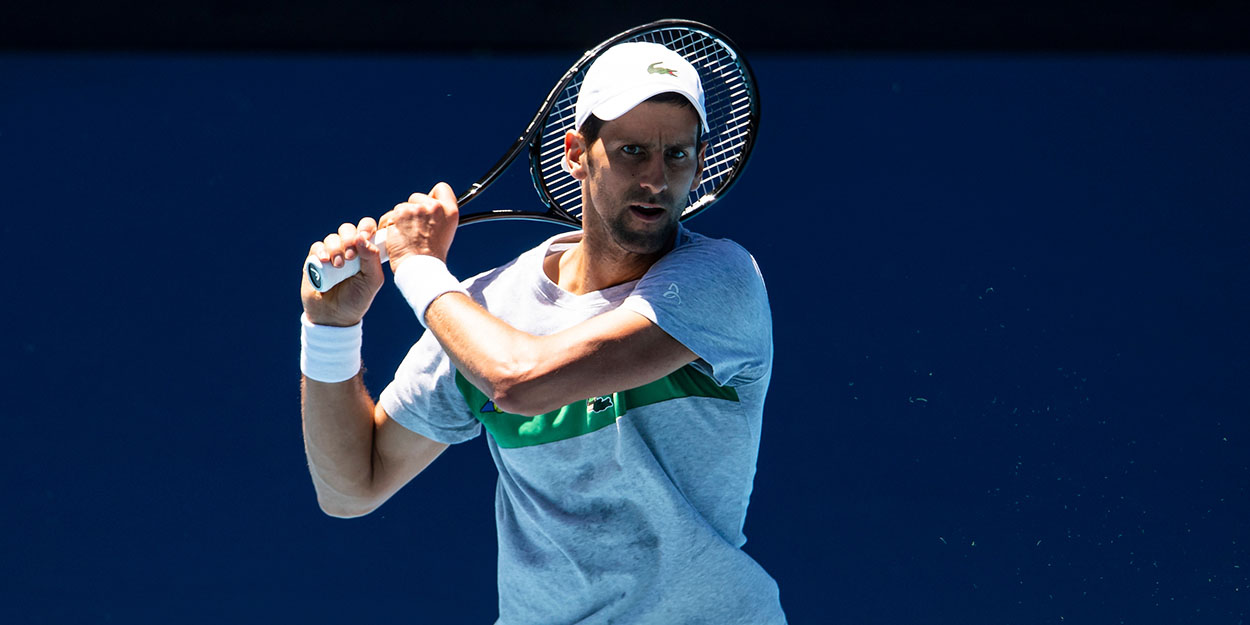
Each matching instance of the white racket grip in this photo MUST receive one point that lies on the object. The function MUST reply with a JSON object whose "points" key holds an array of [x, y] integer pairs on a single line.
{"points": [[325, 276]]}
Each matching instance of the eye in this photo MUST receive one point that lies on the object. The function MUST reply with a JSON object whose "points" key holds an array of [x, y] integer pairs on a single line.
{"points": [[632, 150], [677, 153]]}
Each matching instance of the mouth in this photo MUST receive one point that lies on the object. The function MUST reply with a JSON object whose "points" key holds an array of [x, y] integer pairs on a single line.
{"points": [[647, 212]]}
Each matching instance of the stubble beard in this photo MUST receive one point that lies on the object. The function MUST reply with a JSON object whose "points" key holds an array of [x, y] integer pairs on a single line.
{"points": [[644, 241]]}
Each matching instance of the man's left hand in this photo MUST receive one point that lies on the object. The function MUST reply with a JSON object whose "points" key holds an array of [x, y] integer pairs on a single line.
{"points": [[424, 225]]}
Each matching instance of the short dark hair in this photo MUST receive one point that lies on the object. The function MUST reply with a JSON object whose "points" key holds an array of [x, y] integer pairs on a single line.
{"points": [[591, 127]]}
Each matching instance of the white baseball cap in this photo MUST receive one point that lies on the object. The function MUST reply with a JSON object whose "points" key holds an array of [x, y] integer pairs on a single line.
{"points": [[629, 73]]}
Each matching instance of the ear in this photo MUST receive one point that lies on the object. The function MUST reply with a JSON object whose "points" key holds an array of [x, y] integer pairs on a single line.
{"points": [[698, 173], [575, 150]]}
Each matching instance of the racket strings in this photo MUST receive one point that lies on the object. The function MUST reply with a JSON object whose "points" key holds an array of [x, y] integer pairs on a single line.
{"points": [[727, 101]]}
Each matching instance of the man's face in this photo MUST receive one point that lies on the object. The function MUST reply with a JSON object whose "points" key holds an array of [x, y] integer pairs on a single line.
{"points": [[636, 177]]}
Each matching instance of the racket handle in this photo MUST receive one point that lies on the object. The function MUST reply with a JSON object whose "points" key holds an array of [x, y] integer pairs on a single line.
{"points": [[325, 276]]}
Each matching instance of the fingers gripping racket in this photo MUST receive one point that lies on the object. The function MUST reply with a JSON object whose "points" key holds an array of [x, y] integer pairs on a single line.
{"points": [[732, 105]]}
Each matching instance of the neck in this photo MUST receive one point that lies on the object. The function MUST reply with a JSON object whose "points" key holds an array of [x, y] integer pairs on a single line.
{"points": [[593, 266]]}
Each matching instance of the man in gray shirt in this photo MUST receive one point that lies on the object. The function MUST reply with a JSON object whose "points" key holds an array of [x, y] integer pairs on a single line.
{"points": [[619, 371]]}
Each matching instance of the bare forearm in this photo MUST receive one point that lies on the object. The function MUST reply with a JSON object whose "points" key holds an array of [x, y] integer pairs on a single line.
{"points": [[528, 374], [338, 438], [490, 354], [357, 455]]}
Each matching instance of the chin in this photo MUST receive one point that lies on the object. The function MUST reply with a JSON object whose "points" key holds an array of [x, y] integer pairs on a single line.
{"points": [[645, 242]]}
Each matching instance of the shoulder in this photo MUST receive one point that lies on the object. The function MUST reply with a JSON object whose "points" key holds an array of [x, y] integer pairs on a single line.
{"points": [[696, 255], [688, 240], [709, 295], [704, 276]]}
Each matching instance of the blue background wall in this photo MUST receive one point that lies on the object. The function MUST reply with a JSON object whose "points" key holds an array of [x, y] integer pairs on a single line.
{"points": [[1009, 296]]}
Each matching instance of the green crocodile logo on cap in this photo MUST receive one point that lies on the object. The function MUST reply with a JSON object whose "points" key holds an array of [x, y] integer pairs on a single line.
{"points": [[655, 68]]}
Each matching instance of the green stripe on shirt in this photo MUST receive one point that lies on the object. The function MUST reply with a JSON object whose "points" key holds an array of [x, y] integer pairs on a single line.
{"points": [[583, 417]]}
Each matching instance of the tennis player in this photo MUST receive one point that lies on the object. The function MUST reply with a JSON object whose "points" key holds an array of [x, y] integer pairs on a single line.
{"points": [[620, 372]]}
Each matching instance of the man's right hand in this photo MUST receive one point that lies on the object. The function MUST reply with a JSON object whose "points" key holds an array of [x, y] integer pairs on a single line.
{"points": [[346, 303]]}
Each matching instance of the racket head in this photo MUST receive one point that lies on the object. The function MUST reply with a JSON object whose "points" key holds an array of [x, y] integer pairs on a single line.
{"points": [[731, 101]]}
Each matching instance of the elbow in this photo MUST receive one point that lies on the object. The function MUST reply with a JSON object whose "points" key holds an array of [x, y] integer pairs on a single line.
{"points": [[525, 398], [509, 397], [342, 503], [510, 403], [344, 509], [524, 385]]}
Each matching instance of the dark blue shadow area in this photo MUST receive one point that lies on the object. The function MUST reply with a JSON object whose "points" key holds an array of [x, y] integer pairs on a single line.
{"points": [[1009, 296]]}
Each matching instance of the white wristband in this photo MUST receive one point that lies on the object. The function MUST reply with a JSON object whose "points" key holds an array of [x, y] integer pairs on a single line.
{"points": [[422, 279], [329, 353]]}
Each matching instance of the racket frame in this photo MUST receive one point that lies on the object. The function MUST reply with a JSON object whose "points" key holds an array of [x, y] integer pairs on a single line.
{"points": [[530, 138], [324, 277]]}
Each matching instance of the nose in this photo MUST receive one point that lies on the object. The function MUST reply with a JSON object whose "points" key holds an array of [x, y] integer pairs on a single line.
{"points": [[652, 175]]}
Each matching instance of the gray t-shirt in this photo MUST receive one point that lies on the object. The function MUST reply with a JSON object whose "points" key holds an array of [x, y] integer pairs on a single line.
{"points": [[626, 508]]}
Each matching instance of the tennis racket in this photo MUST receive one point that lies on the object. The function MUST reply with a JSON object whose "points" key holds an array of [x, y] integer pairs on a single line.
{"points": [[733, 111]]}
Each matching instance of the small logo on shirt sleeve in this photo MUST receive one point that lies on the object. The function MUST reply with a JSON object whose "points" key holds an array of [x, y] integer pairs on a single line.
{"points": [[673, 293]]}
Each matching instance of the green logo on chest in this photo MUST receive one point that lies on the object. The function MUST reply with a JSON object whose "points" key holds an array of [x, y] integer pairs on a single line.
{"points": [[583, 417]]}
